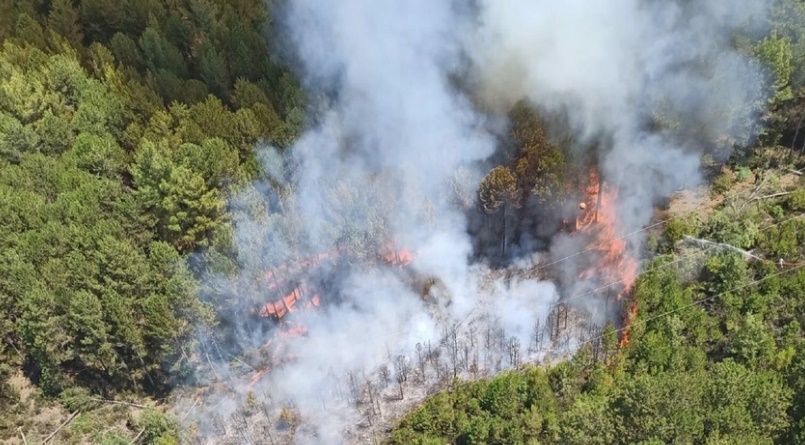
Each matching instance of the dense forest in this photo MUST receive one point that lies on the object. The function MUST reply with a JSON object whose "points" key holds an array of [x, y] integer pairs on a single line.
{"points": [[715, 354], [123, 127], [126, 126]]}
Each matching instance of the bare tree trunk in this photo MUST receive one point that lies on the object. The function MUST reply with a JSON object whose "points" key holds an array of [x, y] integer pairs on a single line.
{"points": [[794, 141], [267, 430], [503, 241], [514, 352], [354, 390], [488, 348], [454, 349], [420, 361], [401, 373], [537, 336], [599, 198], [385, 373], [207, 355], [372, 396]]}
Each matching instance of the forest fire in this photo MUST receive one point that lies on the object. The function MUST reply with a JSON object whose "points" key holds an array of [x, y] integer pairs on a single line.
{"points": [[277, 279], [276, 349], [304, 296], [615, 267]]}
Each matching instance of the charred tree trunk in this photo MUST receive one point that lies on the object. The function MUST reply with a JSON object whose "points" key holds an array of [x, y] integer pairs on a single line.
{"points": [[503, 238], [600, 195], [401, 373], [421, 361], [514, 352], [794, 141]]}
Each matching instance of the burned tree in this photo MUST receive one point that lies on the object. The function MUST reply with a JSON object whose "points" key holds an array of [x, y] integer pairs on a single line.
{"points": [[537, 336], [421, 360], [401, 373], [384, 372], [450, 341], [514, 352]]}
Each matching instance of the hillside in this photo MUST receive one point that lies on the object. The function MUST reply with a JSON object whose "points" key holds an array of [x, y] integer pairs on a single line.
{"points": [[715, 354], [123, 128], [294, 221]]}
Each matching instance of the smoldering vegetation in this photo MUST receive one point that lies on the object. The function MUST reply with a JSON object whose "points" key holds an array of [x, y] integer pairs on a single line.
{"points": [[374, 219]]}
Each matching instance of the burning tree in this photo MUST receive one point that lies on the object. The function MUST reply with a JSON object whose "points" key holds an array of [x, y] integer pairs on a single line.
{"points": [[615, 268]]}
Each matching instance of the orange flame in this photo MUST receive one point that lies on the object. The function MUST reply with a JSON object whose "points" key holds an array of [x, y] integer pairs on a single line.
{"points": [[615, 267], [276, 347], [400, 258], [285, 305]]}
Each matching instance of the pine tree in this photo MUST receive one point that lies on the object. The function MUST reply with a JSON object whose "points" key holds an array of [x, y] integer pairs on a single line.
{"points": [[64, 20]]}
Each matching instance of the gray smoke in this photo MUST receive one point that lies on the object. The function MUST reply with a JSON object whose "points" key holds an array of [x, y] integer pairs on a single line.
{"points": [[619, 68], [397, 147]]}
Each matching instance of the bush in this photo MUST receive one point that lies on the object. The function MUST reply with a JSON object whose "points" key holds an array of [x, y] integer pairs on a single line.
{"points": [[743, 173], [676, 229], [796, 200], [288, 418], [157, 427], [113, 439], [722, 183], [76, 398]]}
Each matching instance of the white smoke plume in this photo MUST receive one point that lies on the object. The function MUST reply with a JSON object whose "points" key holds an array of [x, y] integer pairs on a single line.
{"points": [[653, 85], [614, 67], [394, 139]]}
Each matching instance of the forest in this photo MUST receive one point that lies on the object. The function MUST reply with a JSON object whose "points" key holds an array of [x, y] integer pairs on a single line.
{"points": [[123, 126], [715, 354], [127, 127]]}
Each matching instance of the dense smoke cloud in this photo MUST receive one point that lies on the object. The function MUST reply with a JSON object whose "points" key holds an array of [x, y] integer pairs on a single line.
{"points": [[396, 146], [618, 70], [652, 85]]}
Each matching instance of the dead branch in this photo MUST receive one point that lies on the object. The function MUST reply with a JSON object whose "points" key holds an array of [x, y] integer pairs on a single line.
{"points": [[764, 177], [53, 434], [24, 441], [11, 343], [115, 402], [796, 172], [189, 410], [774, 195]]}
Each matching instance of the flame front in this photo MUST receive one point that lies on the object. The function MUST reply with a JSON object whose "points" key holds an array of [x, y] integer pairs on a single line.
{"points": [[615, 267], [305, 296]]}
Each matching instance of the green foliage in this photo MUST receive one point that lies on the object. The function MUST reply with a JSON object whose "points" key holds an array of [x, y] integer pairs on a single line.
{"points": [[722, 183], [776, 54], [677, 229], [796, 201], [498, 188], [114, 163], [63, 19], [712, 359], [77, 398], [539, 165], [157, 427]]}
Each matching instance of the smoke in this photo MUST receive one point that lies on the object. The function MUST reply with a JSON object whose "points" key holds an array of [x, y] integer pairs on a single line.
{"points": [[396, 146], [654, 84]]}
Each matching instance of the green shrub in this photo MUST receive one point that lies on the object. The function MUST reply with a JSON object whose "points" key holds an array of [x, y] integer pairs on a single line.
{"points": [[76, 398], [743, 173], [722, 183], [113, 438], [155, 426], [796, 200], [676, 229]]}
